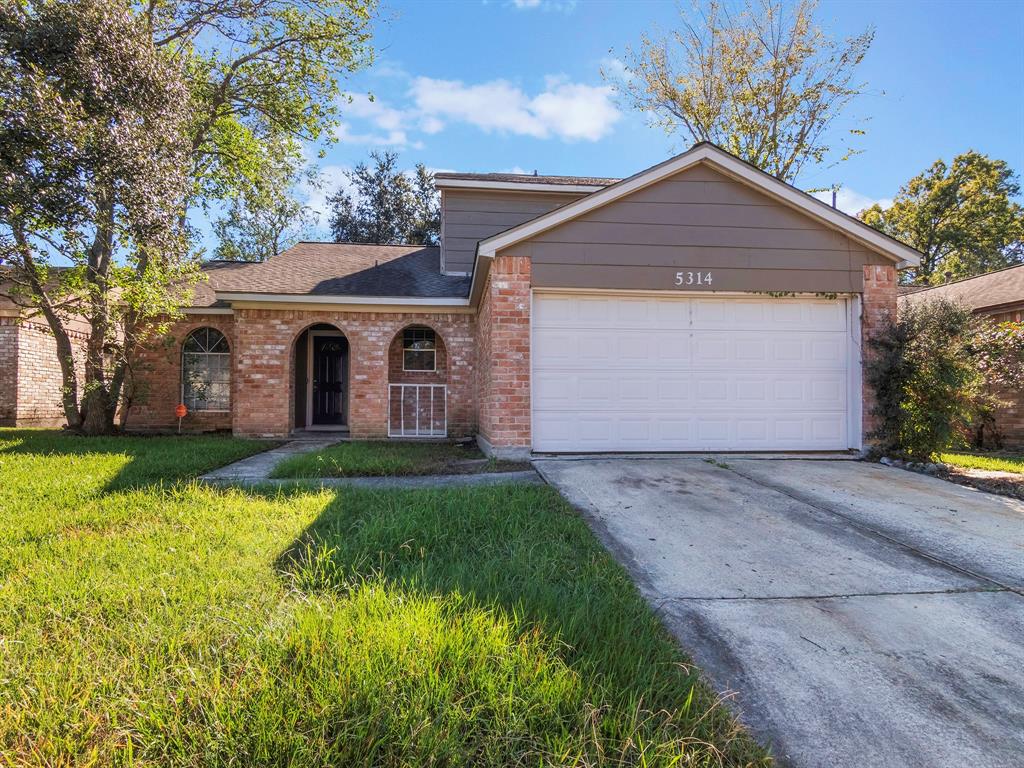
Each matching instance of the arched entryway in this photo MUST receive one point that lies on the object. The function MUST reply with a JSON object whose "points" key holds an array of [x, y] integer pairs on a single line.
{"points": [[417, 383], [321, 380]]}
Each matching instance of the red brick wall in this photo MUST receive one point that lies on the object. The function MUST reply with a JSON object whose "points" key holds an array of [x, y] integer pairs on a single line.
{"points": [[156, 388], [31, 382], [8, 371], [503, 345], [1009, 419], [263, 367], [878, 305]]}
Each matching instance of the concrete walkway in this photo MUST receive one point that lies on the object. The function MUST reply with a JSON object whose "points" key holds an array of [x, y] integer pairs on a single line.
{"points": [[863, 615], [256, 470]]}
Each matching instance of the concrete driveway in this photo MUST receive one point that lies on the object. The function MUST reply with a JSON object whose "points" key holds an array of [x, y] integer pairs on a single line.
{"points": [[863, 615]]}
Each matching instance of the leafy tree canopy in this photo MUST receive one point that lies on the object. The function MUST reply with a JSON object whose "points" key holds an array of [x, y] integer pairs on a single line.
{"points": [[264, 218], [764, 82], [385, 205], [93, 168], [961, 216], [116, 118]]}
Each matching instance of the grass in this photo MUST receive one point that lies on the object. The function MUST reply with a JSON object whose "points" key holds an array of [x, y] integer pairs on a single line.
{"points": [[146, 620], [379, 458], [1008, 463]]}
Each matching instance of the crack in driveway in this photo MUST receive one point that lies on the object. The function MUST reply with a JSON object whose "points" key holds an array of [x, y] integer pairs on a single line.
{"points": [[837, 596]]}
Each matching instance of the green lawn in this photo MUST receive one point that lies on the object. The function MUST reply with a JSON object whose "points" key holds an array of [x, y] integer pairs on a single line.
{"points": [[379, 458], [1009, 463], [149, 622]]}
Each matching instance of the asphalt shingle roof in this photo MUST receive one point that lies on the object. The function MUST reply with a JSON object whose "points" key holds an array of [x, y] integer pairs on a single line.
{"points": [[523, 178], [337, 269], [995, 289]]}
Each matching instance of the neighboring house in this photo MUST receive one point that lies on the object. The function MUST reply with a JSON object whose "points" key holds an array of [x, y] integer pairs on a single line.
{"points": [[30, 377], [999, 296], [700, 305]]}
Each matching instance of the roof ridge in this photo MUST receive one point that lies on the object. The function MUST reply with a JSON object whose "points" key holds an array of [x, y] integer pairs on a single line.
{"points": [[968, 279]]}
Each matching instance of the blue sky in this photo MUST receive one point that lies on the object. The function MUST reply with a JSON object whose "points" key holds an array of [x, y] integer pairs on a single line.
{"points": [[504, 85]]}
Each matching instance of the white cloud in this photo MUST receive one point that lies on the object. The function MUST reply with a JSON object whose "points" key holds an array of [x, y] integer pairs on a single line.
{"points": [[431, 125], [563, 6], [615, 69], [393, 123], [570, 111], [850, 201]]}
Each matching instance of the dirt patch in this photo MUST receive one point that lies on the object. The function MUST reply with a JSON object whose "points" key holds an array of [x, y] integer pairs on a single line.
{"points": [[1002, 483]]}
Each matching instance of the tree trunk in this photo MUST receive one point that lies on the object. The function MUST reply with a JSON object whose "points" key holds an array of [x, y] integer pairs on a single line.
{"points": [[97, 417], [65, 355]]}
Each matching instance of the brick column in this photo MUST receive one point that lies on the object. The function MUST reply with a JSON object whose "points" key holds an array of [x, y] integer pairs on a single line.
{"points": [[503, 360], [260, 374], [878, 308]]}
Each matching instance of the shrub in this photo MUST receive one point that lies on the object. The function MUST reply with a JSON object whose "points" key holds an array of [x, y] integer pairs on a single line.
{"points": [[928, 384]]}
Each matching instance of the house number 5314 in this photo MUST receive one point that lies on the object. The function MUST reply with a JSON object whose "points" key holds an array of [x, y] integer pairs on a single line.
{"points": [[693, 278]]}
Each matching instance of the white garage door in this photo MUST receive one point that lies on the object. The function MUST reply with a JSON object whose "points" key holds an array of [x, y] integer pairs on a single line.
{"points": [[614, 372]]}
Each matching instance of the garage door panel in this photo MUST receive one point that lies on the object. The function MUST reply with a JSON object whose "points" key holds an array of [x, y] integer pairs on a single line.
{"points": [[599, 431], [689, 373], [667, 392]]}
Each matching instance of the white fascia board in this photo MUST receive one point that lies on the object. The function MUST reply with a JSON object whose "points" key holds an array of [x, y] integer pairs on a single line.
{"points": [[307, 299], [723, 161], [515, 186]]}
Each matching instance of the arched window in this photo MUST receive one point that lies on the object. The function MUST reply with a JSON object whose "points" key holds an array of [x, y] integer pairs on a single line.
{"points": [[419, 349], [206, 371]]}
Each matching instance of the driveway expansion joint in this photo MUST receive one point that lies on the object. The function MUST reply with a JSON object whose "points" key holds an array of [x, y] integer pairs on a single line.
{"points": [[839, 596]]}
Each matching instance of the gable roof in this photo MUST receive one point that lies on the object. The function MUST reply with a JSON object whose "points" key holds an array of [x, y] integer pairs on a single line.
{"points": [[333, 271], [731, 166], [1001, 288]]}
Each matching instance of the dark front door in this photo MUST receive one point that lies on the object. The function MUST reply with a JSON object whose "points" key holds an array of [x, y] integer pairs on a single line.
{"points": [[329, 363]]}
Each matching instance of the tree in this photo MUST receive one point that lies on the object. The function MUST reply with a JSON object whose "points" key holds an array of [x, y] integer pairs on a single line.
{"points": [[264, 219], [93, 160], [384, 205], [115, 112], [961, 217], [764, 84]]}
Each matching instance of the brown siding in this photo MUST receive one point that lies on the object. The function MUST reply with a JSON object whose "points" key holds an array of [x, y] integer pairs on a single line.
{"points": [[472, 215], [697, 220]]}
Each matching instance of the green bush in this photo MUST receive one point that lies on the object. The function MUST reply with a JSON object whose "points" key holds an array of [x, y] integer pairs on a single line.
{"points": [[928, 384]]}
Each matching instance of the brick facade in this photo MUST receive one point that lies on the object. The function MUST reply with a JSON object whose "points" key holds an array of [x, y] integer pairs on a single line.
{"points": [[1009, 418], [263, 377], [878, 307], [30, 375], [503, 349], [8, 371], [155, 389]]}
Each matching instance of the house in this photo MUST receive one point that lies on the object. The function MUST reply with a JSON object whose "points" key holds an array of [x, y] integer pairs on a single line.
{"points": [[699, 305], [998, 296], [30, 376]]}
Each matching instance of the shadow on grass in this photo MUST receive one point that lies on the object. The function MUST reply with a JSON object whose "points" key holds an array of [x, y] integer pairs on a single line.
{"points": [[130, 462], [522, 551]]}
